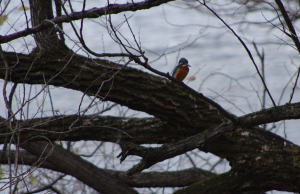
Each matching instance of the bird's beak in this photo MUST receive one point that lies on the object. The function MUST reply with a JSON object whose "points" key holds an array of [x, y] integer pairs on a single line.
{"points": [[188, 65]]}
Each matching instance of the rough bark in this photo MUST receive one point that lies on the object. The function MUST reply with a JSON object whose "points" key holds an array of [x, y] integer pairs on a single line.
{"points": [[138, 87], [105, 128], [260, 161], [135, 89], [75, 166], [41, 12], [148, 179], [135, 130], [131, 87]]}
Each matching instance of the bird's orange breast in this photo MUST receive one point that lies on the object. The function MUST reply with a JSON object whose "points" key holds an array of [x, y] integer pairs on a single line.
{"points": [[181, 73]]}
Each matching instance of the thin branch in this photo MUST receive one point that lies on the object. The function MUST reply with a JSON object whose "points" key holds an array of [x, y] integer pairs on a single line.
{"points": [[167, 75], [218, 162], [191, 160], [4, 7], [70, 5], [137, 44], [244, 45], [46, 187], [80, 37], [289, 24], [262, 61], [91, 13], [7, 129], [152, 156], [227, 114], [7, 71], [77, 167], [90, 155], [278, 16], [292, 94], [286, 86], [58, 14], [147, 179], [221, 96], [99, 90]]}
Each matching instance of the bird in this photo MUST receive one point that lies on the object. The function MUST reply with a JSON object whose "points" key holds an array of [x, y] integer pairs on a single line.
{"points": [[181, 70]]}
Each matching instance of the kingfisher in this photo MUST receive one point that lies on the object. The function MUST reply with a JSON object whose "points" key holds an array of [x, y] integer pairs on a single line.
{"points": [[181, 70]]}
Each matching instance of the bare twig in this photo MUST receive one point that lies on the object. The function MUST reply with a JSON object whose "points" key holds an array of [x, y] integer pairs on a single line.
{"points": [[4, 8], [46, 187], [278, 16], [292, 94], [7, 129], [262, 61], [24, 9], [228, 101], [150, 155], [43, 88], [91, 154], [289, 24], [145, 64], [7, 71], [137, 44], [100, 88], [286, 86], [218, 162], [244, 45]]}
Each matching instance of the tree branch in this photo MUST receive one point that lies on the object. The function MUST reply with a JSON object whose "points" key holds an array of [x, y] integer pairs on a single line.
{"points": [[77, 167], [284, 112], [135, 130], [244, 45], [148, 179], [289, 23], [152, 94], [46, 187], [92, 13], [105, 128], [152, 156]]}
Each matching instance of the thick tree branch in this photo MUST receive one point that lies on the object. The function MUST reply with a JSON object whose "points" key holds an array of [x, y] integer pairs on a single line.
{"points": [[249, 151], [148, 179], [254, 181], [26, 158], [106, 128], [135, 130], [280, 113], [256, 156], [131, 87], [42, 11], [260, 160], [77, 167], [152, 156], [164, 179]]}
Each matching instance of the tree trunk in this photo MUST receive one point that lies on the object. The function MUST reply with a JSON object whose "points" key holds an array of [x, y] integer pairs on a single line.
{"points": [[41, 13]]}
